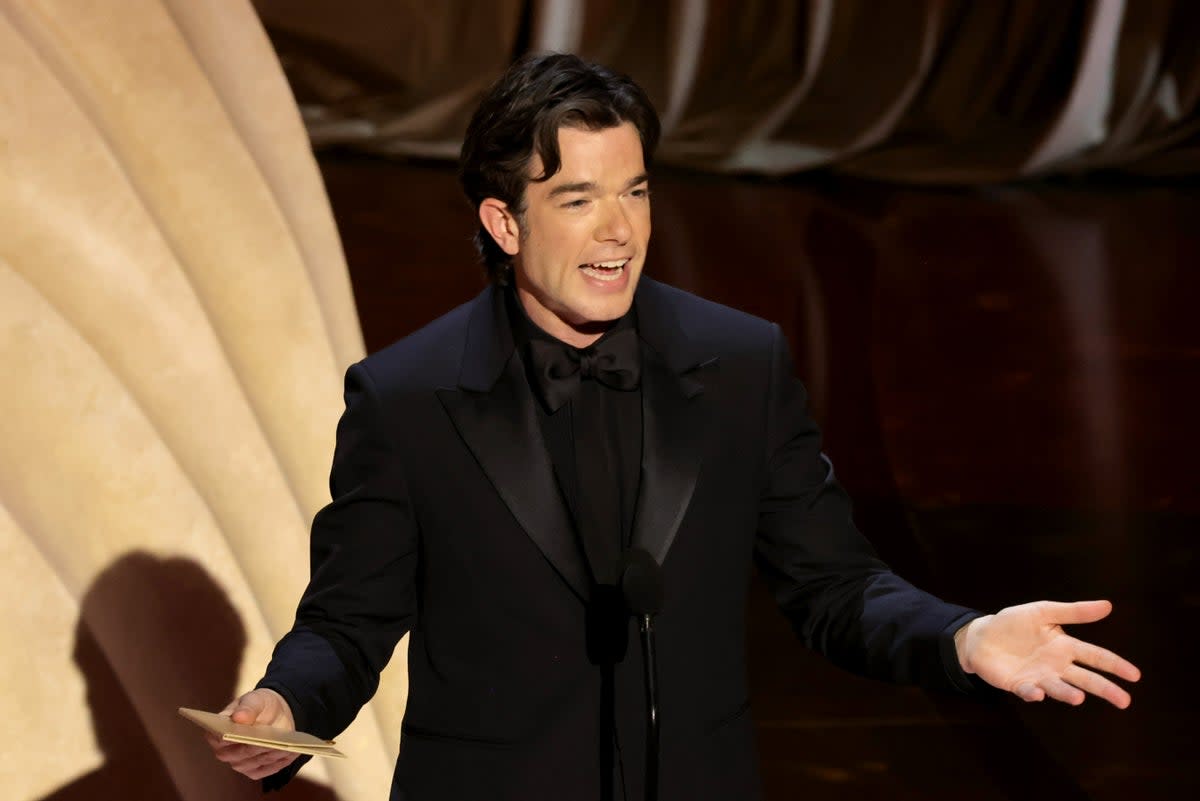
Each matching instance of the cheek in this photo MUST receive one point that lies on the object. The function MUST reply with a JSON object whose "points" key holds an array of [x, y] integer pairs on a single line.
{"points": [[569, 249], [642, 222]]}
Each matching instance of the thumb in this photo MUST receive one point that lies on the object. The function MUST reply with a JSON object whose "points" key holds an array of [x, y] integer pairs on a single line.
{"points": [[1066, 614], [248, 708]]}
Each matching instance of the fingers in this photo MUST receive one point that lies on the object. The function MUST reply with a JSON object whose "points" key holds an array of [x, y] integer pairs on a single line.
{"points": [[269, 766], [252, 761], [1060, 690], [263, 765], [1067, 614], [236, 754], [1049, 687], [1074, 685], [1097, 685], [1104, 659], [1028, 691], [225, 750]]}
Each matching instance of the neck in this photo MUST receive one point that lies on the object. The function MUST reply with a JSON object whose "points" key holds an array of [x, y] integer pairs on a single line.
{"points": [[576, 335]]}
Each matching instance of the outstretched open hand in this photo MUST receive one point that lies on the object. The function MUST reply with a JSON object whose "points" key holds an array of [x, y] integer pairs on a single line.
{"points": [[1024, 650]]}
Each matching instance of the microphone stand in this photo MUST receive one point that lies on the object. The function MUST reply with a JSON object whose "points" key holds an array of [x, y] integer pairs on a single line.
{"points": [[650, 666], [641, 584]]}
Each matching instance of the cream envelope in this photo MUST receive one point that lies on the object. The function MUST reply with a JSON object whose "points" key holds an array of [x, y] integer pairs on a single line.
{"points": [[263, 736]]}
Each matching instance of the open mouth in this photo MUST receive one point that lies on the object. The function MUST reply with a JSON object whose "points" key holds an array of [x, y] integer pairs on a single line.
{"points": [[605, 270]]}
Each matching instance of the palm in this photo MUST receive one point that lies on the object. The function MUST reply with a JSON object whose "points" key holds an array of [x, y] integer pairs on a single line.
{"points": [[1024, 650]]}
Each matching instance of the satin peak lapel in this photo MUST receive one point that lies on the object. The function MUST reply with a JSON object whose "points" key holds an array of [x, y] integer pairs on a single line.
{"points": [[492, 409], [674, 426], [675, 417]]}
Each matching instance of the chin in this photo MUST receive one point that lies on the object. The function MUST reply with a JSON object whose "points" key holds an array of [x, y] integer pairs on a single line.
{"points": [[609, 311]]}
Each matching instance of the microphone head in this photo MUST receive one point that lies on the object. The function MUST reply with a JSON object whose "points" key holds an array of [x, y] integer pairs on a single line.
{"points": [[641, 582]]}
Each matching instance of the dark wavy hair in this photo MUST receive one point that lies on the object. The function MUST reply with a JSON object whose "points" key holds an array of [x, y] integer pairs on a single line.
{"points": [[522, 112]]}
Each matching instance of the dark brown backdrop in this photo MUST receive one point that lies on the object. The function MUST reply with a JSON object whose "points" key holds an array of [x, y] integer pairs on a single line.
{"points": [[1007, 379]]}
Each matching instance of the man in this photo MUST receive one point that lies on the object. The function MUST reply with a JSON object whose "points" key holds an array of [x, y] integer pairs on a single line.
{"points": [[492, 468]]}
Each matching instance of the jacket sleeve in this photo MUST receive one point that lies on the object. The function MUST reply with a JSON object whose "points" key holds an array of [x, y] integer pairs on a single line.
{"points": [[840, 598], [361, 597]]}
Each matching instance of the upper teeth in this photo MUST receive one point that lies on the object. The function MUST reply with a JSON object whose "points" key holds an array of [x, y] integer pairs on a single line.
{"points": [[609, 265]]}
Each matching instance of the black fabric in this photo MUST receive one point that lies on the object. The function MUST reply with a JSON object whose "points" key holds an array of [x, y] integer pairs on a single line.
{"points": [[590, 415], [612, 361], [597, 469], [447, 523]]}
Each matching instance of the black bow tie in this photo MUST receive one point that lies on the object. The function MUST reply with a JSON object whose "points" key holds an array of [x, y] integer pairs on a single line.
{"points": [[613, 361]]}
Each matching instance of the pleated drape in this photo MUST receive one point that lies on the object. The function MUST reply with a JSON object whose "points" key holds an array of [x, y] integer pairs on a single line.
{"points": [[175, 317], [923, 91]]}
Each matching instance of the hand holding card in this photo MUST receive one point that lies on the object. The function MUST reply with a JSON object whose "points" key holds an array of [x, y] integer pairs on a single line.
{"points": [[296, 742]]}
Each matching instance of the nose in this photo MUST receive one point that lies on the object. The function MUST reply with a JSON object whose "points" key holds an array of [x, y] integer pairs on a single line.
{"points": [[613, 225]]}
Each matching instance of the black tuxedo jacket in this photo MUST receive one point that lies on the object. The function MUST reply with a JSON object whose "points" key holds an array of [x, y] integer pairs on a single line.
{"points": [[447, 522]]}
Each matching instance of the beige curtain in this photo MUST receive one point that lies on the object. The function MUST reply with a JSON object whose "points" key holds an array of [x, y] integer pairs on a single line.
{"points": [[931, 91], [175, 317]]}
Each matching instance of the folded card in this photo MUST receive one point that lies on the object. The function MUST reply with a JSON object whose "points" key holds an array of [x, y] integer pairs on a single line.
{"points": [[297, 742]]}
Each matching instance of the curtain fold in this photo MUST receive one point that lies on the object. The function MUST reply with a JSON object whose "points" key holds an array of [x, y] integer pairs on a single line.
{"points": [[175, 318], [924, 91]]}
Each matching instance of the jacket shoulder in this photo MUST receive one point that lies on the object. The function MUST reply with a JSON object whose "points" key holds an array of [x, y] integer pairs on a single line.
{"points": [[709, 325], [427, 358]]}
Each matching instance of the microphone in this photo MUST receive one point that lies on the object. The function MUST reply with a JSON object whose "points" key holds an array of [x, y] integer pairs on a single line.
{"points": [[641, 584]]}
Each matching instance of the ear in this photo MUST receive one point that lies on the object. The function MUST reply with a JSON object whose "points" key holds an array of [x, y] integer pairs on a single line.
{"points": [[498, 221]]}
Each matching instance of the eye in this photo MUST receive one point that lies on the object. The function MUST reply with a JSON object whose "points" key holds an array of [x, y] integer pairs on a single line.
{"points": [[575, 204], [641, 192]]}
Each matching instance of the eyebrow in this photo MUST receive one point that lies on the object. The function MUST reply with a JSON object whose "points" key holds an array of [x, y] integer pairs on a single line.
{"points": [[590, 186]]}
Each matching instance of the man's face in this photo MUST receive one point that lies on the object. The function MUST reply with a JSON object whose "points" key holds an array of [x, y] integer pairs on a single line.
{"points": [[585, 232]]}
